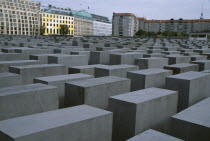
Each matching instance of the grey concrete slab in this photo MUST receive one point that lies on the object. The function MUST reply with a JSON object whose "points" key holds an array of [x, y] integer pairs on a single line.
{"points": [[12, 56], [193, 123], [153, 62], [147, 78], [86, 69], [95, 92], [124, 58], [177, 59], [68, 60], [152, 135], [192, 87], [29, 72], [59, 82], [29, 99], [4, 65], [43, 58], [141, 110], [10, 79], [203, 64], [182, 67], [80, 123], [115, 70]]}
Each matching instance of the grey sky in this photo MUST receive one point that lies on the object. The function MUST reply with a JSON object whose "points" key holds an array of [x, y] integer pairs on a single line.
{"points": [[151, 9]]}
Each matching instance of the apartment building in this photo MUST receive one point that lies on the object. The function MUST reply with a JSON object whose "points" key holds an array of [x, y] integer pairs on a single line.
{"points": [[127, 24], [124, 24], [54, 20], [101, 25], [19, 17], [180, 25], [83, 23]]}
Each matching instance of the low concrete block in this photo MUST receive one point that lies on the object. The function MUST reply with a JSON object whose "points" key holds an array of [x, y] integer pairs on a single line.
{"points": [[193, 123], [192, 87], [147, 78], [203, 64], [29, 72], [59, 82], [177, 59], [115, 70], [141, 110], [87, 69], [95, 92], [9, 79], [182, 67], [154, 62], [23, 100], [152, 135], [80, 123], [68, 60], [4, 65], [124, 58]]}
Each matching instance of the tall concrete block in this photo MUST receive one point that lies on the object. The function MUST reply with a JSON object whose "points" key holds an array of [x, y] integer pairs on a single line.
{"points": [[4, 65], [148, 63], [68, 60], [115, 70], [95, 92], [141, 110], [148, 78], [193, 123], [29, 72], [9, 79], [124, 58], [152, 135], [23, 100], [59, 82], [182, 67], [192, 87], [80, 123]]}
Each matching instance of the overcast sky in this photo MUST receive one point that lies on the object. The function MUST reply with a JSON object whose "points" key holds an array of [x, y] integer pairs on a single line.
{"points": [[151, 9]]}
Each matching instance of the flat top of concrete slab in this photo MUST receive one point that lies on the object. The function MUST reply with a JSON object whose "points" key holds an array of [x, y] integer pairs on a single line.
{"points": [[150, 71], [143, 95], [97, 81], [63, 77], [6, 74], [26, 125], [128, 53], [38, 66], [23, 88], [181, 65], [64, 55], [189, 75], [198, 113], [2, 53], [206, 71], [88, 66], [42, 54], [177, 56], [152, 135], [18, 61], [201, 61], [116, 66]]}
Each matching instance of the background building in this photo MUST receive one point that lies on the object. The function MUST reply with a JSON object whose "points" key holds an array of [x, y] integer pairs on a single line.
{"points": [[19, 17], [83, 23], [101, 25], [55, 21], [127, 24], [180, 25], [124, 24]]}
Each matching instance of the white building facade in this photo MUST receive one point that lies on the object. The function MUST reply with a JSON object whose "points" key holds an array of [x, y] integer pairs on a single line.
{"points": [[102, 29]]}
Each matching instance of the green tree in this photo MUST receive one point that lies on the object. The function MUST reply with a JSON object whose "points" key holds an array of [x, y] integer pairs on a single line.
{"points": [[140, 33], [64, 29], [42, 30]]}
